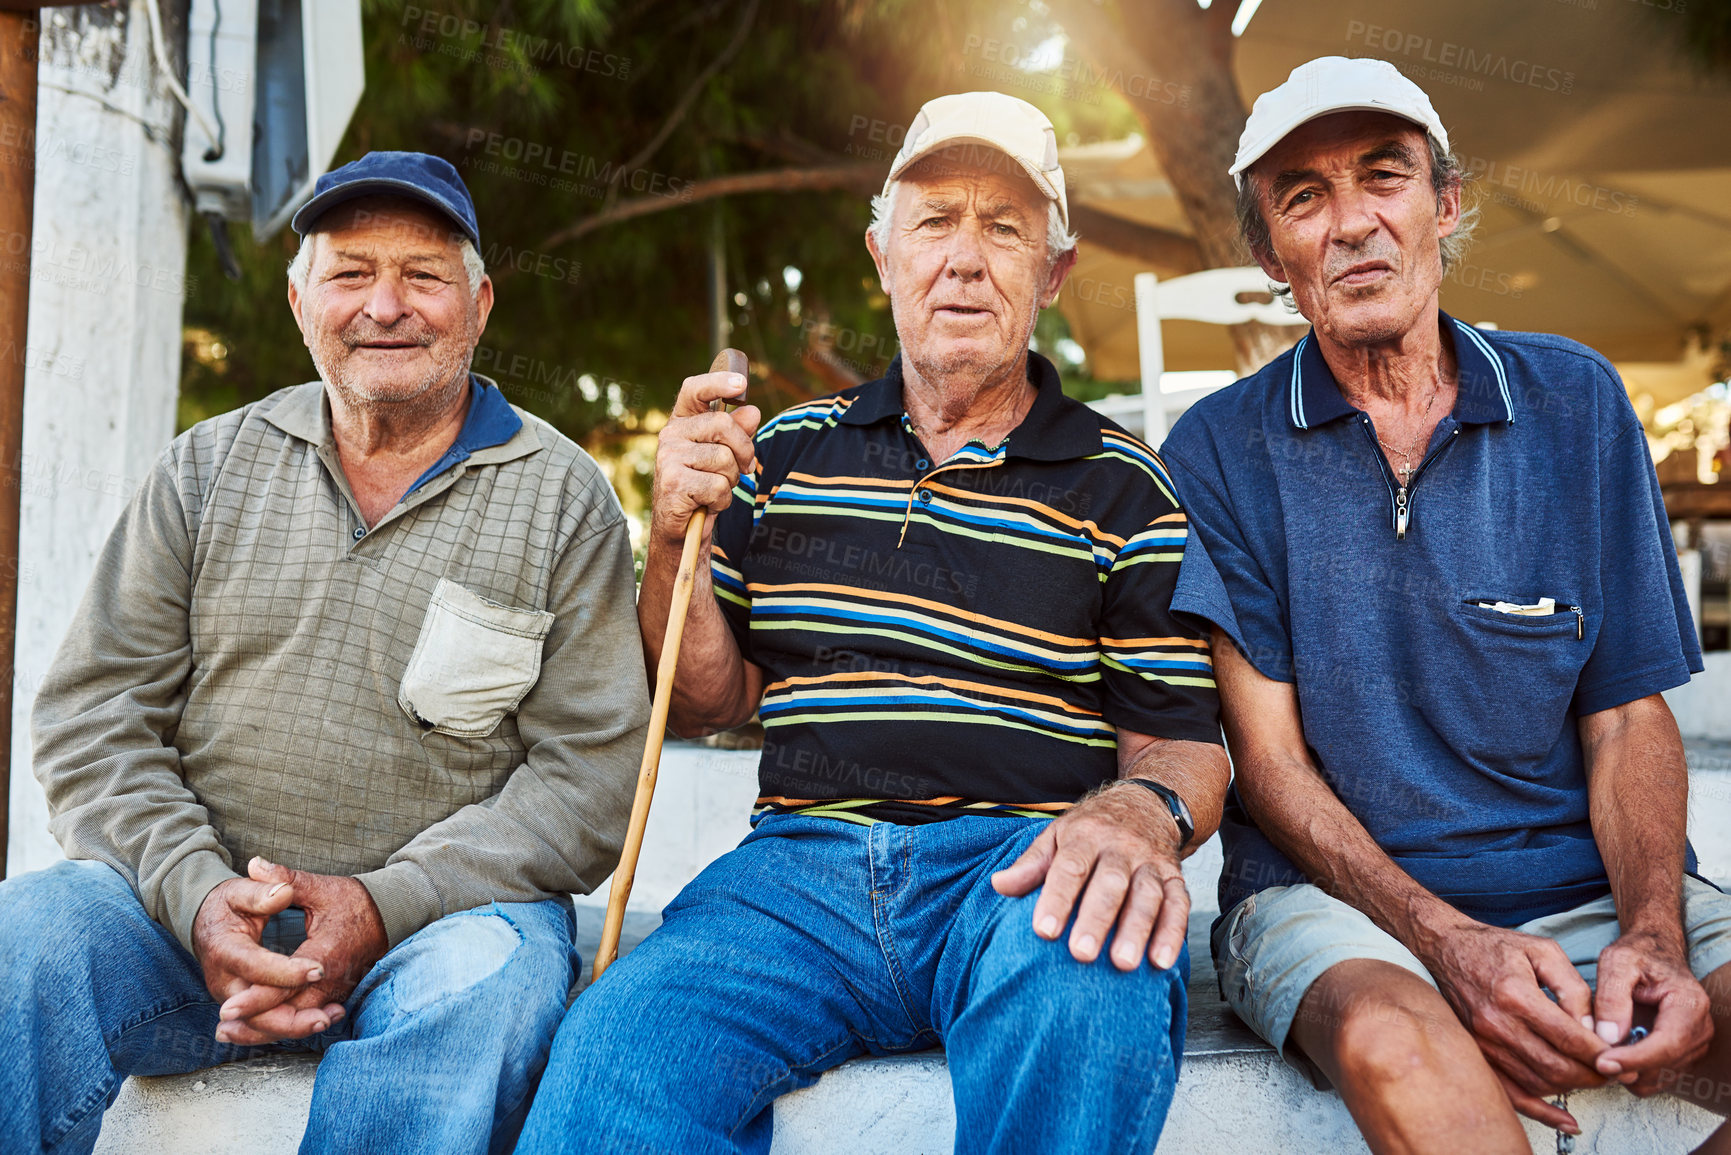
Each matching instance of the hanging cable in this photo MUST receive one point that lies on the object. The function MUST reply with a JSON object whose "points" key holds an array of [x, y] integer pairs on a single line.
{"points": [[214, 154], [161, 51], [224, 247]]}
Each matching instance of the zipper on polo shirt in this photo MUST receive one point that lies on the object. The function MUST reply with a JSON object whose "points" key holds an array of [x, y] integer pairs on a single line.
{"points": [[1401, 495]]}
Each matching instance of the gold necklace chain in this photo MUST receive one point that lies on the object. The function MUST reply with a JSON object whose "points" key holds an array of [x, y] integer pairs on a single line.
{"points": [[1406, 466]]}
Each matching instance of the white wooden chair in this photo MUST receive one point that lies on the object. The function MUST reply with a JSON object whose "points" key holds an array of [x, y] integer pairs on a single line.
{"points": [[1211, 296]]}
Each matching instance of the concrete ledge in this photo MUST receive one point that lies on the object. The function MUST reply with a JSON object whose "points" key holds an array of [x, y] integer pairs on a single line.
{"points": [[258, 1107], [1234, 1095], [1700, 704], [891, 1106]]}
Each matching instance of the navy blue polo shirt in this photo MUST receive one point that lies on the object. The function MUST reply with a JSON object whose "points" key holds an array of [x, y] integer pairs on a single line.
{"points": [[489, 421], [1447, 728]]}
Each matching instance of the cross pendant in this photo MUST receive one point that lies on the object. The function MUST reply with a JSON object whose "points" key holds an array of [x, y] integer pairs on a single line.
{"points": [[1405, 474]]}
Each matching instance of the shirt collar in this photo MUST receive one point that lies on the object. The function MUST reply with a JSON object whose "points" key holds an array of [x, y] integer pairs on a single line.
{"points": [[303, 413], [1484, 396], [1314, 397], [491, 432], [490, 421], [1056, 428]]}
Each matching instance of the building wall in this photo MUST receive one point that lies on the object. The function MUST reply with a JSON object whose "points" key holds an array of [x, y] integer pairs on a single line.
{"points": [[107, 280], [1703, 707]]}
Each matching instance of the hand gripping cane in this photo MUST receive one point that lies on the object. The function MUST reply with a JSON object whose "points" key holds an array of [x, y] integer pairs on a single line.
{"points": [[727, 361]]}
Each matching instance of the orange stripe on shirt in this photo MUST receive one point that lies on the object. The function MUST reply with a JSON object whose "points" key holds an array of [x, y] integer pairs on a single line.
{"points": [[1087, 527], [1126, 643], [934, 680], [757, 588]]}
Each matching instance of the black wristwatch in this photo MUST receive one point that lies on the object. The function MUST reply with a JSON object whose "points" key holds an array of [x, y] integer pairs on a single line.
{"points": [[1174, 804]]}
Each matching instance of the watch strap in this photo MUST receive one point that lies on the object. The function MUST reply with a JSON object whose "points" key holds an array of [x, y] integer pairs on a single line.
{"points": [[1174, 806]]}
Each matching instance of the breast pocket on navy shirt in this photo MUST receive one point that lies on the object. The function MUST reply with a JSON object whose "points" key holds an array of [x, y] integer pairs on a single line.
{"points": [[1512, 693]]}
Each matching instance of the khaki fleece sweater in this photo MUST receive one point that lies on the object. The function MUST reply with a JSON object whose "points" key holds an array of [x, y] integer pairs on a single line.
{"points": [[450, 706]]}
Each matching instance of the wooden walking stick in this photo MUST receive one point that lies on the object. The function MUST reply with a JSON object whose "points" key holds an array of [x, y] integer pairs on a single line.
{"points": [[727, 361]]}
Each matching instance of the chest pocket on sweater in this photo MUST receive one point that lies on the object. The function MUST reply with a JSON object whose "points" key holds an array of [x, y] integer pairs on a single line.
{"points": [[474, 662]]}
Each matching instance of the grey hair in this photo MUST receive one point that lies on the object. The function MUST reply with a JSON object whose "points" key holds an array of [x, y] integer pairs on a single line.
{"points": [[1446, 174], [303, 264], [1059, 240]]}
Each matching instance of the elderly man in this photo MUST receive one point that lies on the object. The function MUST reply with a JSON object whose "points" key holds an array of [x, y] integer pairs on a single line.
{"points": [[946, 594], [368, 641], [1452, 602]]}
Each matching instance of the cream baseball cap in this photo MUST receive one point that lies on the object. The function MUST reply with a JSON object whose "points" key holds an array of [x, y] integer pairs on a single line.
{"points": [[1332, 84], [992, 119]]}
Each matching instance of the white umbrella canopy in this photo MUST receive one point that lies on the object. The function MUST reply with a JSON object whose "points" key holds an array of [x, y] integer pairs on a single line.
{"points": [[1602, 164]]}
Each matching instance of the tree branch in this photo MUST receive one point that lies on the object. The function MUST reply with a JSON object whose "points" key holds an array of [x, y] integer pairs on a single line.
{"points": [[1174, 254], [783, 146], [1194, 137], [852, 175], [1219, 19], [689, 97]]}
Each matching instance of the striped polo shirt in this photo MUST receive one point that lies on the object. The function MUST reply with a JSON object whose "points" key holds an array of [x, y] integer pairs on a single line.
{"points": [[960, 636]]}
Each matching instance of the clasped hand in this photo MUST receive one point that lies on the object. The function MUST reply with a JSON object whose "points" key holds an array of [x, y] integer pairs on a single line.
{"points": [[267, 997], [1543, 1045]]}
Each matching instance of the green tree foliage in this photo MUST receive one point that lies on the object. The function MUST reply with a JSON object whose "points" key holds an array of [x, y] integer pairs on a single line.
{"points": [[555, 112], [1706, 31]]}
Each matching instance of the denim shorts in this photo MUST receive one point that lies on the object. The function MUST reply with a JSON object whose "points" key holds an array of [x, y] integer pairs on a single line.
{"points": [[1272, 946]]}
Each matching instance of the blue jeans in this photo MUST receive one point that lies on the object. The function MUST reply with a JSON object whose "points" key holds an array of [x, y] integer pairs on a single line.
{"points": [[440, 1051], [817, 940]]}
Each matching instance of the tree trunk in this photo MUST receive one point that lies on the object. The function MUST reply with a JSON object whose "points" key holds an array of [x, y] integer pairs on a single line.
{"points": [[1178, 57]]}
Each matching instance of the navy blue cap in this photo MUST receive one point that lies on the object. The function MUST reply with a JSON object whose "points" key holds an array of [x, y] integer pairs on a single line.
{"points": [[431, 180]]}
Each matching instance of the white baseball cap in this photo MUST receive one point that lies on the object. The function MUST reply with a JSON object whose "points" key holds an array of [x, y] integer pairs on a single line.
{"points": [[997, 121], [1332, 84]]}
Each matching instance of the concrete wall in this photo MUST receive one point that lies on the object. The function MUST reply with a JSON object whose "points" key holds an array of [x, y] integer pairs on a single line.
{"points": [[1703, 707], [702, 809], [107, 280]]}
